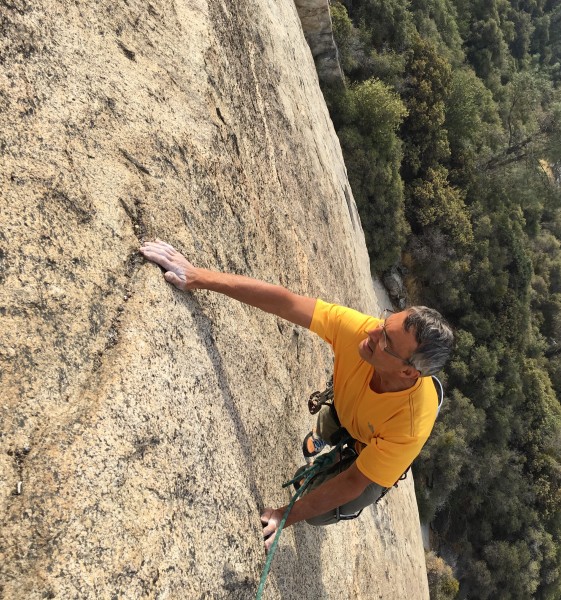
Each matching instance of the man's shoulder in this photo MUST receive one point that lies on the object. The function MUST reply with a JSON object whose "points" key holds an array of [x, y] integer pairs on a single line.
{"points": [[344, 315], [340, 325], [425, 403], [424, 392]]}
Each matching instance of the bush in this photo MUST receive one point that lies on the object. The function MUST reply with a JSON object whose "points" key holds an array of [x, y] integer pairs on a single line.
{"points": [[442, 583], [372, 150], [344, 36]]}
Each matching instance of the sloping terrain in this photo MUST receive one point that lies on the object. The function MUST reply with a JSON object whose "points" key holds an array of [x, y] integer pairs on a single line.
{"points": [[142, 429]]}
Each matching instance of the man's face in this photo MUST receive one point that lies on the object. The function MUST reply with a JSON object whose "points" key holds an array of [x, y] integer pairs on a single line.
{"points": [[400, 343]]}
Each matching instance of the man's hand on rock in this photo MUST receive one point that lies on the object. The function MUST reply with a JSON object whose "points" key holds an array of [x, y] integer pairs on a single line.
{"points": [[179, 271], [270, 519]]}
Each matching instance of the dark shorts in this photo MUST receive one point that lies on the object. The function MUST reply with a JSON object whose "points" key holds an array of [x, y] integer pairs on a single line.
{"points": [[326, 426]]}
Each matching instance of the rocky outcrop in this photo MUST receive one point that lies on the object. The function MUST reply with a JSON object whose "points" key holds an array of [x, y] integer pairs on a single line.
{"points": [[143, 429], [316, 23], [395, 286]]}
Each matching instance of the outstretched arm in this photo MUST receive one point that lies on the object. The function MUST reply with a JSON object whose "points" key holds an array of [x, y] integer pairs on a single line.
{"points": [[274, 299]]}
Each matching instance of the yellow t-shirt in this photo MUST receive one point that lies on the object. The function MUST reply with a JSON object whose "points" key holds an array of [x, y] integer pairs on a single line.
{"points": [[391, 427]]}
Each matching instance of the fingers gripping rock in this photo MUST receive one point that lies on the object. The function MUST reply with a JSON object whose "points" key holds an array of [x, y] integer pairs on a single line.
{"points": [[178, 270], [174, 279]]}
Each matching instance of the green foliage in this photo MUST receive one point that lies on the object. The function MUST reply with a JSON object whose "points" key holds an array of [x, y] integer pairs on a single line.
{"points": [[442, 583], [472, 120], [448, 450], [427, 89], [377, 111], [437, 20], [435, 202], [345, 36], [513, 567], [451, 130], [368, 133], [388, 22]]}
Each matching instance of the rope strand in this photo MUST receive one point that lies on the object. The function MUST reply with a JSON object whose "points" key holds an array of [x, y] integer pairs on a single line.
{"points": [[321, 463]]}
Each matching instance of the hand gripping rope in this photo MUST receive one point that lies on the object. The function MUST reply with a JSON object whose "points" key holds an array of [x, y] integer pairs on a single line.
{"points": [[321, 463]]}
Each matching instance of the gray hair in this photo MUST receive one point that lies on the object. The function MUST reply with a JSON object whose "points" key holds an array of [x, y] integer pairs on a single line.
{"points": [[434, 338]]}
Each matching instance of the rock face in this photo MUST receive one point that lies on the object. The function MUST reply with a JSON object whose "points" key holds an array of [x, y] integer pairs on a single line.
{"points": [[316, 23], [143, 429]]}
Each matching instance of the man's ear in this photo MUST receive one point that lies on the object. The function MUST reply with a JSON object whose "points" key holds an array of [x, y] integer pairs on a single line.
{"points": [[410, 372]]}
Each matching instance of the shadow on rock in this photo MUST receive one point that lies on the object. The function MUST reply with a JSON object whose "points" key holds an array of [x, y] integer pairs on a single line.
{"points": [[298, 570], [205, 332]]}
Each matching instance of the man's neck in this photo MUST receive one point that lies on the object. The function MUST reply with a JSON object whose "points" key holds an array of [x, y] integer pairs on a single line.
{"points": [[381, 384]]}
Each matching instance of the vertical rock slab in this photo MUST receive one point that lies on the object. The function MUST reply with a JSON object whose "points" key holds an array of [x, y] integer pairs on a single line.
{"points": [[142, 429], [316, 23]]}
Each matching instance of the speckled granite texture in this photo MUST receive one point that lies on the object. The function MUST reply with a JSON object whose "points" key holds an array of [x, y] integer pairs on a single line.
{"points": [[142, 429]]}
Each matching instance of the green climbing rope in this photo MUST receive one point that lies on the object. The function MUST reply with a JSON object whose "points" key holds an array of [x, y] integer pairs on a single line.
{"points": [[321, 463]]}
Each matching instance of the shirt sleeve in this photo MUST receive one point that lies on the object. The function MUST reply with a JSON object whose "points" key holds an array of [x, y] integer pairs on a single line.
{"points": [[339, 325], [384, 461], [326, 321]]}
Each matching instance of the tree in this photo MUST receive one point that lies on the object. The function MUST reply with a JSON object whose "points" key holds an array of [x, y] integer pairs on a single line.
{"points": [[442, 583], [472, 122], [426, 91], [434, 202], [372, 149]]}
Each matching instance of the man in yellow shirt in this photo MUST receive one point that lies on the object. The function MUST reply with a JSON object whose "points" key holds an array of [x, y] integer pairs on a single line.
{"points": [[383, 393]]}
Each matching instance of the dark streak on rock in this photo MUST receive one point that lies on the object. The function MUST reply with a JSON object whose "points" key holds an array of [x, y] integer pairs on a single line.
{"points": [[183, 154], [158, 493], [183, 488], [134, 213], [128, 53], [135, 162], [142, 445], [96, 318], [171, 164], [84, 214], [2, 266], [19, 458], [110, 103], [234, 139], [111, 340], [173, 80], [131, 265], [20, 7], [220, 115], [349, 207]]}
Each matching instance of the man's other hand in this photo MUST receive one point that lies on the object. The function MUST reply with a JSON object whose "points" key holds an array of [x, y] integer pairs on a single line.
{"points": [[179, 271], [270, 519]]}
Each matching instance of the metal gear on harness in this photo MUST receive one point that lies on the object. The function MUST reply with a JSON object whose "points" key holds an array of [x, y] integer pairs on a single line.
{"points": [[318, 399]]}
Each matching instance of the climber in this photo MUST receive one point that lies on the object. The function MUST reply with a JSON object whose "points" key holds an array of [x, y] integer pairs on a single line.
{"points": [[383, 393]]}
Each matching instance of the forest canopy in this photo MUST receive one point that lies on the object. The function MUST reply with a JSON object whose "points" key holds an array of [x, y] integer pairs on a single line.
{"points": [[450, 124]]}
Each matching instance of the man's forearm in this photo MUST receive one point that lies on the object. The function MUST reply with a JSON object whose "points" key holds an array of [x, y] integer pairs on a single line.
{"points": [[266, 296], [341, 489]]}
